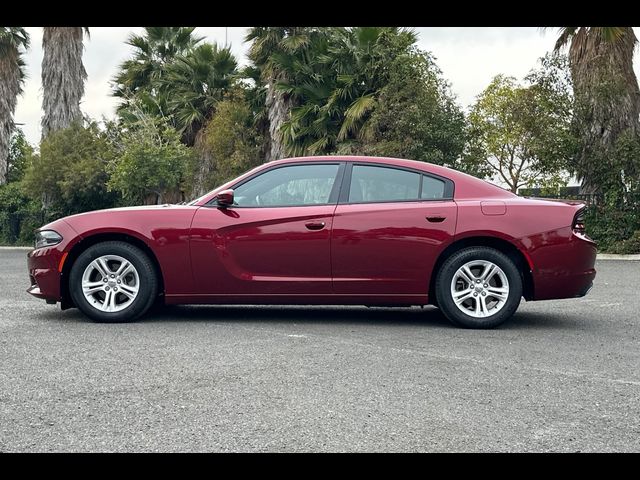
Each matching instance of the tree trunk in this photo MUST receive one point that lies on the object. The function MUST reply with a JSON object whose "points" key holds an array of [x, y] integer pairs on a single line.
{"points": [[63, 77], [205, 166], [607, 100], [9, 91], [278, 109]]}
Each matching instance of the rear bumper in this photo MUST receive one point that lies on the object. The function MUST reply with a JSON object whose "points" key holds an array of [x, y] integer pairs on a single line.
{"points": [[566, 286], [563, 265]]}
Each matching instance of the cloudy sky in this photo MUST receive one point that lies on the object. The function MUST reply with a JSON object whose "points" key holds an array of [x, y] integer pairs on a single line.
{"points": [[468, 56]]}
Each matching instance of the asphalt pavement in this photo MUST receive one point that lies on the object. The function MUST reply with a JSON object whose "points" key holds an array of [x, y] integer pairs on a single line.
{"points": [[560, 376]]}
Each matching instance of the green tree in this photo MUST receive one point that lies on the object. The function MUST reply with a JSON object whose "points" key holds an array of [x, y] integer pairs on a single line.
{"points": [[521, 133], [19, 214], [14, 41], [63, 77], [20, 156], [416, 115], [152, 167], [69, 174], [607, 99], [231, 145]]}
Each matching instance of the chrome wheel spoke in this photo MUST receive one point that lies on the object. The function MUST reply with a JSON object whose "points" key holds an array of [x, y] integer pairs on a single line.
{"points": [[467, 274], [484, 311], [106, 303], [92, 287], [100, 268], [124, 268], [463, 295], [489, 271], [128, 290], [499, 293], [105, 267]]}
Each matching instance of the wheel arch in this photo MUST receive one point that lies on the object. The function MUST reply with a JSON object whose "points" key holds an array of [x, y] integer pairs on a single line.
{"points": [[500, 244], [93, 239]]}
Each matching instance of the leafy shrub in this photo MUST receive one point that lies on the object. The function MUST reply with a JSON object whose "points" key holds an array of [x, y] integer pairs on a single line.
{"points": [[229, 145], [19, 215], [69, 174], [628, 246], [153, 167], [609, 226]]}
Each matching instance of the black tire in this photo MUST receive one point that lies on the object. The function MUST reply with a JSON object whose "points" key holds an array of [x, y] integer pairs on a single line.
{"points": [[445, 278], [147, 290]]}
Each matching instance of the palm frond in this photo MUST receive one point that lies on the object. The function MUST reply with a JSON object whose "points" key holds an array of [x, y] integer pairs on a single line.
{"points": [[356, 111]]}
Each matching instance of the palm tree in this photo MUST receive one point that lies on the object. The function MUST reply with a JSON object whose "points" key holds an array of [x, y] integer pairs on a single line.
{"points": [[268, 51], [197, 81], [606, 92], [338, 89], [137, 79], [13, 42], [63, 77]]}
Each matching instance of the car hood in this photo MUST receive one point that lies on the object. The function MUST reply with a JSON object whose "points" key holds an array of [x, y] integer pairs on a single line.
{"points": [[122, 216]]}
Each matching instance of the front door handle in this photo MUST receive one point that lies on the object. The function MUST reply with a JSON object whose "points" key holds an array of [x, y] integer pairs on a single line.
{"points": [[436, 218], [314, 225]]}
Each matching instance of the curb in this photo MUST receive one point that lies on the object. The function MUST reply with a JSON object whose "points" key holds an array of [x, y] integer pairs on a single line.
{"points": [[16, 248], [615, 256]]}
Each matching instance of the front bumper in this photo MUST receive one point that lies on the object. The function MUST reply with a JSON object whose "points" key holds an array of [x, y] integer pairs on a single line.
{"points": [[45, 264], [43, 273]]}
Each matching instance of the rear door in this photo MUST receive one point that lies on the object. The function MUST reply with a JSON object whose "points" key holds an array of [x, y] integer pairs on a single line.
{"points": [[388, 229]]}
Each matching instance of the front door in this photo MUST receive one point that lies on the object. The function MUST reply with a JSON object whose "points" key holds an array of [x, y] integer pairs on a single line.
{"points": [[274, 240]]}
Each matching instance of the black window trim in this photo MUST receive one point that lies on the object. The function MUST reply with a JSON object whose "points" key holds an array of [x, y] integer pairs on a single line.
{"points": [[333, 196], [447, 195]]}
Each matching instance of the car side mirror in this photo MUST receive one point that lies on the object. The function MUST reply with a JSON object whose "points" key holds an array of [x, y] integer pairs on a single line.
{"points": [[225, 198]]}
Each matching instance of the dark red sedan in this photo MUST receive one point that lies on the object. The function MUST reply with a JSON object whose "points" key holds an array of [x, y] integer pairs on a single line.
{"points": [[323, 230]]}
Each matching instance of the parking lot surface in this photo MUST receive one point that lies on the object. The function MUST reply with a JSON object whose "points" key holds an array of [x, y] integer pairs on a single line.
{"points": [[560, 376]]}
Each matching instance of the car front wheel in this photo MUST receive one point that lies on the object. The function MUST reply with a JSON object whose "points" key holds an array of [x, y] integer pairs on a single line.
{"points": [[113, 282], [478, 287]]}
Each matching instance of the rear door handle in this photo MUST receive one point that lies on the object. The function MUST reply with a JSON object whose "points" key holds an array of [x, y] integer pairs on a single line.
{"points": [[436, 218], [314, 225]]}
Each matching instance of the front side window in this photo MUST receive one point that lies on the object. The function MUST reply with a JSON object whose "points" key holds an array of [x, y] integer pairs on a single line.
{"points": [[294, 185], [382, 184]]}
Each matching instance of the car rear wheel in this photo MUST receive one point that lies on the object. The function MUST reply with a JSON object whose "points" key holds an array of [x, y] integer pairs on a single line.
{"points": [[478, 287], [113, 282]]}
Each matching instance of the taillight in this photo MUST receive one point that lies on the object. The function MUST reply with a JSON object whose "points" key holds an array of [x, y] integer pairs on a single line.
{"points": [[579, 222]]}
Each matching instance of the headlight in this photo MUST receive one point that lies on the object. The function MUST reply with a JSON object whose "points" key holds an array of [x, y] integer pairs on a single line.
{"points": [[47, 238]]}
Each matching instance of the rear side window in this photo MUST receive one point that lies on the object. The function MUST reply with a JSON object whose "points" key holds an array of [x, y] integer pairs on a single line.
{"points": [[382, 184], [432, 188]]}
